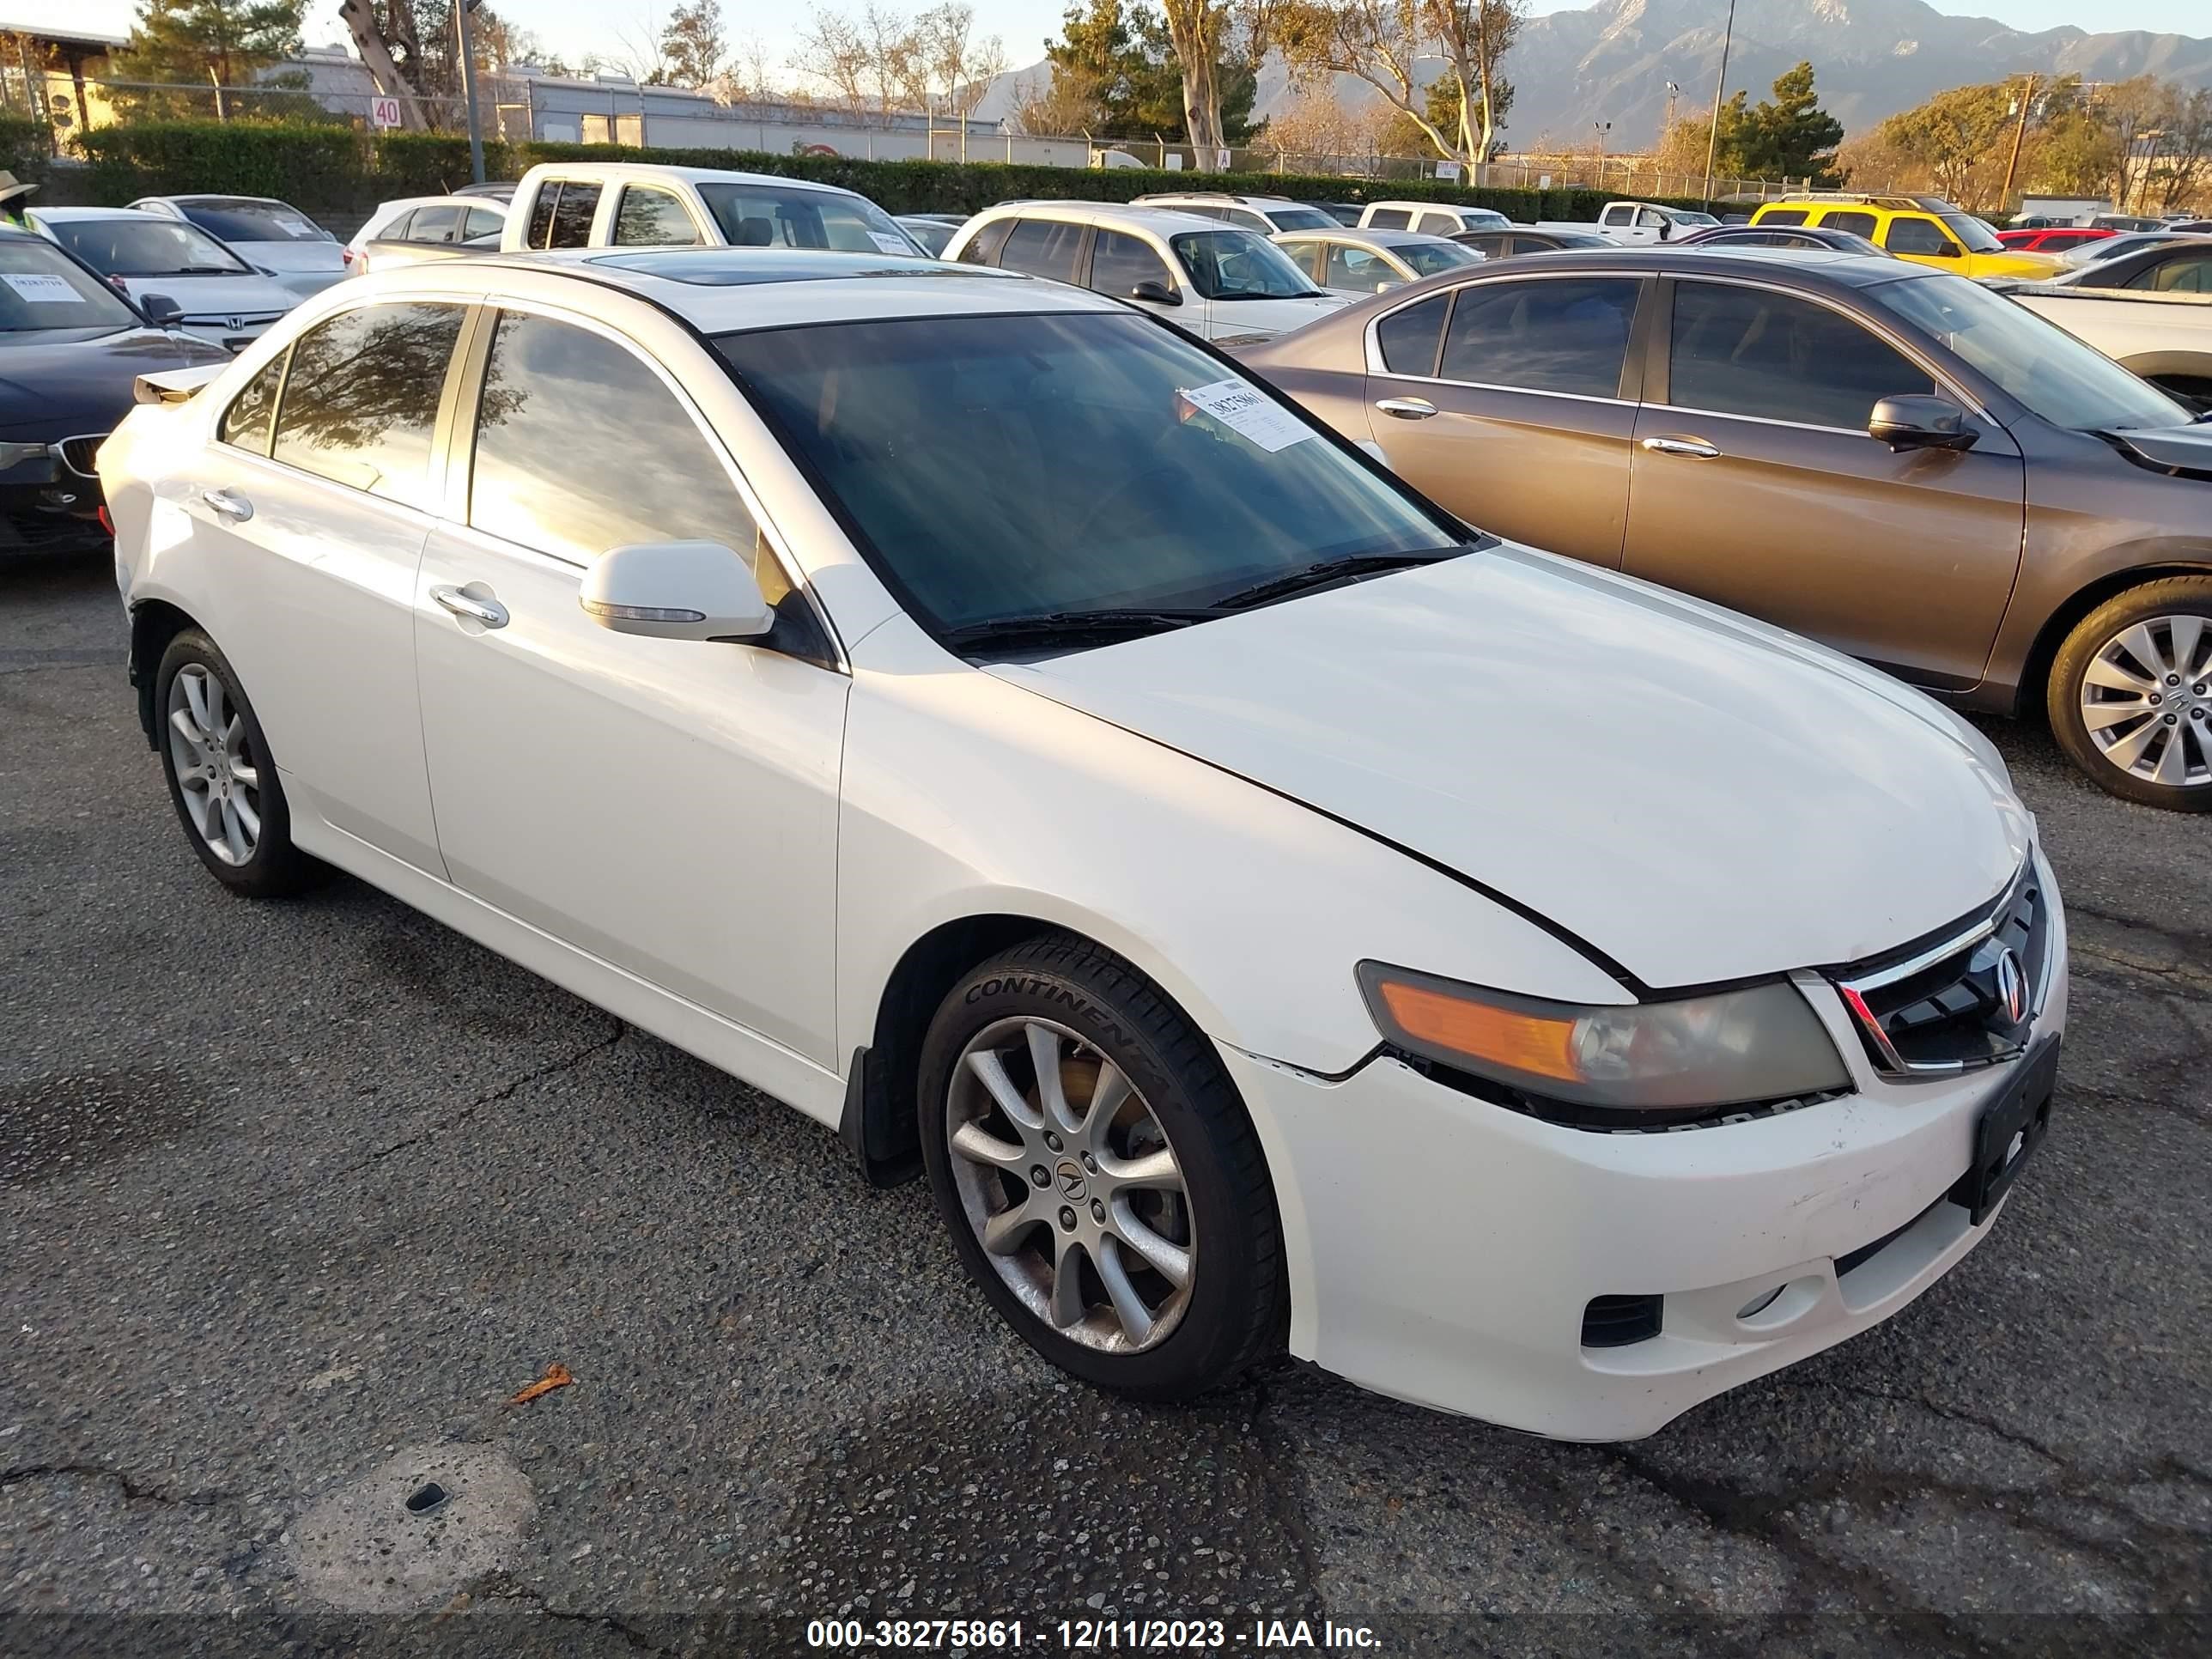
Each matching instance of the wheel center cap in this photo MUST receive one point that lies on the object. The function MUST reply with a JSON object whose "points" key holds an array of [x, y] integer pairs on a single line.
{"points": [[1069, 1174]]}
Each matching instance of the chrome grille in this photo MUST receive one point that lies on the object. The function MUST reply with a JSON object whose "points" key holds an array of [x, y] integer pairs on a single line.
{"points": [[1967, 1001], [78, 454]]}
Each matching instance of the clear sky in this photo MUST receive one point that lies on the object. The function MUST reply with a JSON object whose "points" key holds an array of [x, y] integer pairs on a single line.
{"points": [[574, 27]]}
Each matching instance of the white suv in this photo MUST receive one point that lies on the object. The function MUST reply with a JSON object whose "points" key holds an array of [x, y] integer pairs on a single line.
{"points": [[1268, 214], [1225, 284], [572, 204], [1437, 218]]}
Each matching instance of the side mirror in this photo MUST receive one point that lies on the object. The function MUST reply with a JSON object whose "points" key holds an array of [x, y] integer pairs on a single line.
{"points": [[676, 591], [160, 310], [1158, 293], [1948, 250], [1921, 422]]}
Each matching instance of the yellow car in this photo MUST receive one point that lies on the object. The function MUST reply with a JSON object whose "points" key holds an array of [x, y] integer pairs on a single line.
{"points": [[1925, 229]]}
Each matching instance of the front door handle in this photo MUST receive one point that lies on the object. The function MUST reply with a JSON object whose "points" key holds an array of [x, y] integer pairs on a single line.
{"points": [[488, 611], [1406, 409], [1697, 446], [229, 504]]}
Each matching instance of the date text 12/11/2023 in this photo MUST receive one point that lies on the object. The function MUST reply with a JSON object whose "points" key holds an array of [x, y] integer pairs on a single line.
{"points": [[1260, 1636]]}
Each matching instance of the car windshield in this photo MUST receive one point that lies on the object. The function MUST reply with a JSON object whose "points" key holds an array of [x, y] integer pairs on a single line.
{"points": [[765, 215], [1239, 264], [2067, 383], [1427, 259], [241, 220], [1684, 217], [1300, 218], [146, 247], [41, 290], [1012, 466], [1978, 236]]}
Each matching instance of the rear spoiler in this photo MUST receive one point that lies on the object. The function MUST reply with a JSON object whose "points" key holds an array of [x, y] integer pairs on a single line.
{"points": [[174, 385]]}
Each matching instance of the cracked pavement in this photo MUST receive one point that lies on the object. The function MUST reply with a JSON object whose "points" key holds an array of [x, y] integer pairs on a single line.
{"points": [[288, 1191]]}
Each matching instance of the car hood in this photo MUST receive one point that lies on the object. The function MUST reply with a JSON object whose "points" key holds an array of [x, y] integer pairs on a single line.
{"points": [[1233, 317], [83, 384], [2030, 267], [216, 296], [2181, 448], [1695, 795]]}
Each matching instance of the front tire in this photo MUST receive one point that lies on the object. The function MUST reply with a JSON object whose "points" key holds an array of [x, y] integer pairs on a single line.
{"points": [[1101, 1180], [2130, 694], [221, 781]]}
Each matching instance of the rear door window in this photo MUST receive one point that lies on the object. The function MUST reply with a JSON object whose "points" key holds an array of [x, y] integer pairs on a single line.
{"points": [[983, 247], [361, 400], [572, 216], [435, 224], [1784, 216], [652, 218], [1408, 339], [1754, 351], [1358, 268], [1044, 247], [1569, 335], [540, 228], [1859, 224]]}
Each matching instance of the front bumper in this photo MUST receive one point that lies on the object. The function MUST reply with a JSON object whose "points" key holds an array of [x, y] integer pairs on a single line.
{"points": [[48, 506], [1444, 1250]]}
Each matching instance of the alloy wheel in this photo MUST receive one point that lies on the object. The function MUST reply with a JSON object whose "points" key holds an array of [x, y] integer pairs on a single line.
{"points": [[1070, 1185], [216, 771], [2146, 699]]}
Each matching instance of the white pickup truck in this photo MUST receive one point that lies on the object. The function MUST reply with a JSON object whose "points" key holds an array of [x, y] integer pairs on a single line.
{"points": [[1638, 223], [2166, 337]]}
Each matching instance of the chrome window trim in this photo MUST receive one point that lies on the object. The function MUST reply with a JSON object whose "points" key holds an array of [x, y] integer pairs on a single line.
{"points": [[1764, 419]]}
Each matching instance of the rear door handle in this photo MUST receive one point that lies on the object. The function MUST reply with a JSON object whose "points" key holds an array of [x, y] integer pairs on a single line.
{"points": [[1407, 409], [1697, 446], [491, 613], [229, 504]]}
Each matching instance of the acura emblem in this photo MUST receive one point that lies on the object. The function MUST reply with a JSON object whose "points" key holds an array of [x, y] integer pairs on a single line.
{"points": [[2012, 987]]}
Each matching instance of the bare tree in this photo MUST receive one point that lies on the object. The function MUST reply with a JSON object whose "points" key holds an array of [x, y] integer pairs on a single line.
{"points": [[375, 47], [1379, 42], [1049, 106], [871, 60], [958, 70], [1199, 29]]}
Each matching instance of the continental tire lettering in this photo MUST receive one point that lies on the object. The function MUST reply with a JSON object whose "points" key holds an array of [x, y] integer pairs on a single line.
{"points": [[1079, 1006]]}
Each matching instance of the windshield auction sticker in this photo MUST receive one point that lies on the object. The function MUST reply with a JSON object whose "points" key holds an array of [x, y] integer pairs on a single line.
{"points": [[42, 290], [1249, 413]]}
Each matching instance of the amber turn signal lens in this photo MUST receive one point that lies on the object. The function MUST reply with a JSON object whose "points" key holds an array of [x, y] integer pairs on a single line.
{"points": [[1527, 1042]]}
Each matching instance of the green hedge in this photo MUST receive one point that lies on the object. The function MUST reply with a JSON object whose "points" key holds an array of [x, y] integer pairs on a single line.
{"points": [[22, 148], [335, 170]]}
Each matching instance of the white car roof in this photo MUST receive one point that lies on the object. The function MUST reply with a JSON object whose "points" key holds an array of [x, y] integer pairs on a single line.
{"points": [[60, 214], [1167, 196], [722, 290], [1114, 215], [1439, 207], [616, 172]]}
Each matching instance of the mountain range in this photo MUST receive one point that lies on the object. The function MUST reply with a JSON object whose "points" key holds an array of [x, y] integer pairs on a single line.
{"points": [[1612, 61]]}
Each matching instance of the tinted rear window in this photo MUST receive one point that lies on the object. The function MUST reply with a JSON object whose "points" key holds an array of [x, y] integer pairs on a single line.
{"points": [[255, 222], [1408, 339]]}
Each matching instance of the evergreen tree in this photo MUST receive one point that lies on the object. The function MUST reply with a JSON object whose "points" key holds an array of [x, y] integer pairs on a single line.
{"points": [[1789, 136], [186, 42], [1118, 57]]}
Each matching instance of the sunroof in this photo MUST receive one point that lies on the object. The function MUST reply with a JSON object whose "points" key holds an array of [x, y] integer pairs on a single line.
{"points": [[743, 267]]}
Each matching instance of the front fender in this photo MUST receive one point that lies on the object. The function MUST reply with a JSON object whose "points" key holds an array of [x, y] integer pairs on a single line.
{"points": [[966, 796]]}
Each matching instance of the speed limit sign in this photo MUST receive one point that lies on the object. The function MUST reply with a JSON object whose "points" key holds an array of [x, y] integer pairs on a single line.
{"points": [[384, 112]]}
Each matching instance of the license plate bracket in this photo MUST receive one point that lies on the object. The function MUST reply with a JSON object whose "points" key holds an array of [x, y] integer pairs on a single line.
{"points": [[2009, 1130]]}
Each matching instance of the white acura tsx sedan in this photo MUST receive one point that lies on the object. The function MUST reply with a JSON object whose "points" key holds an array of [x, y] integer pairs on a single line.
{"points": [[1275, 914]]}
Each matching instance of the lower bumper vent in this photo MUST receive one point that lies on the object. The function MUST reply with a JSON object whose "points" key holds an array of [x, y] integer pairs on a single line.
{"points": [[1621, 1321]]}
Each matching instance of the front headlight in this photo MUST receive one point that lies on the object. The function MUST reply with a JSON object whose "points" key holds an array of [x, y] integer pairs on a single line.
{"points": [[1724, 1048]]}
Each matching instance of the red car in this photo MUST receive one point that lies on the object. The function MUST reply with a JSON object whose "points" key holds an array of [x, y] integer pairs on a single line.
{"points": [[2052, 238]]}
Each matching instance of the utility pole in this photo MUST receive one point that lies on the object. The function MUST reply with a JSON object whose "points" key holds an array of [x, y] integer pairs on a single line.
{"points": [[2019, 134], [1674, 91], [1603, 127], [469, 89], [1720, 85]]}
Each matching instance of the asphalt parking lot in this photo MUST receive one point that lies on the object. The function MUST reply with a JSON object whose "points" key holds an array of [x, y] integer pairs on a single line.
{"points": [[293, 1197]]}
